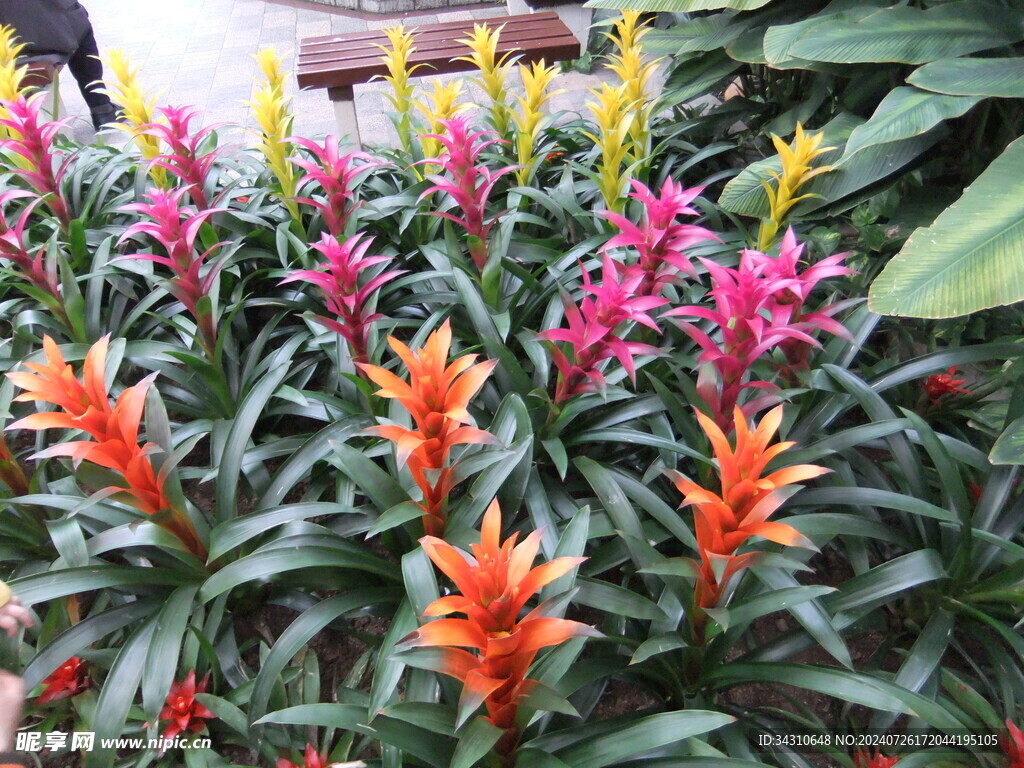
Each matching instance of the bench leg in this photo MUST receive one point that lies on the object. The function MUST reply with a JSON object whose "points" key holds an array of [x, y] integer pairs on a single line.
{"points": [[344, 103]]}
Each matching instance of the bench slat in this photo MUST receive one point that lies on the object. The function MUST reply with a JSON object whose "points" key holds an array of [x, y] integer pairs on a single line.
{"points": [[344, 60]]}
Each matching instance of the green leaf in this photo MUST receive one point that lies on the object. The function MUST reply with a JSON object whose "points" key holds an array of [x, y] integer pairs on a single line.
{"points": [[879, 584], [232, 534], [652, 646], [53, 584], [616, 600], [904, 113], [475, 741], [971, 258], [615, 745], [853, 687], [350, 717], [226, 712], [116, 700], [777, 600], [913, 36], [162, 660], [972, 77], [1009, 447], [267, 563]]}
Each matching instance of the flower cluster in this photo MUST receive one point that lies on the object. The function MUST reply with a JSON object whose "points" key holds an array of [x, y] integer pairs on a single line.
{"points": [[437, 397], [532, 117], [876, 760], [69, 679], [938, 385], [336, 174], [493, 585], [272, 110], [311, 759], [468, 182], [723, 522], [114, 431], [396, 59], [796, 171], [635, 72], [660, 239], [136, 111], [758, 306], [592, 333], [176, 228], [338, 279], [39, 164], [181, 711], [483, 42], [184, 158]]}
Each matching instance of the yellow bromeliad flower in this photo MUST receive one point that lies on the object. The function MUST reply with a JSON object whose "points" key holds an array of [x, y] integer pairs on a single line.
{"points": [[635, 71], [614, 116], [532, 118], [273, 114], [796, 171], [11, 74], [396, 59], [126, 90], [441, 104], [483, 43]]}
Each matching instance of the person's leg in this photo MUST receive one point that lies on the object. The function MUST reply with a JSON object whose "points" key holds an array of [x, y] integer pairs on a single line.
{"points": [[87, 70], [12, 696]]}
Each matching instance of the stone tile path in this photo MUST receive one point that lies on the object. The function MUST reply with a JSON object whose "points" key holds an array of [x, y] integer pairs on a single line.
{"points": [[199, 52]]}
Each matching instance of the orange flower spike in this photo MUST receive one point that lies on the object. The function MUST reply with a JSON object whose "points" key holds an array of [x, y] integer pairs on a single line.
{"points": [[86, 404]]}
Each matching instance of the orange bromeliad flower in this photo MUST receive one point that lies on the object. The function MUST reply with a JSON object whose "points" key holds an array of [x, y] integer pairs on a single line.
{"points": [[437, 396], [494, 584], [85, 406], [722, 523]]}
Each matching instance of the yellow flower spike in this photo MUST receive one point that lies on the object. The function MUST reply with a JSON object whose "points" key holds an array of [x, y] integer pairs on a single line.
{"points": [[483, 43], [796, 171], [273, 114], [613, 114], [11, 74], [635, 72], [532, 118], [396, 59], [136, 109], [440, 104]]}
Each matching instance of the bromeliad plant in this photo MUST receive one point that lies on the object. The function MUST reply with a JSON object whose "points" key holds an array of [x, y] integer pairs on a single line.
{"points": [[483, 42], [184, 158], [437, 397], [337, 175], [272, 110], [396, 59], [137, 111], [493, 585], [532, 116], [113, 433]]}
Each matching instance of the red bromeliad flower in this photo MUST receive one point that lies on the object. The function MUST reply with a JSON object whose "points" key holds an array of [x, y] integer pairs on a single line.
{"points": [[85, 405], [591, 335], [69, 679], [1013, 745], [184, 159], [437, 397], [494, 583], [468, 183], [758, 306], [878, 760], [336, 174], [181, 710], [338, 278], [940, 384], [660, 240], [312, 759], [11, 473], [32, 269], [176, 228], [722, 523], [40, 164]]}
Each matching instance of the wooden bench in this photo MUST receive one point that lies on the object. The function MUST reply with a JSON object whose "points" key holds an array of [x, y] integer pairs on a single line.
{"points": [[337, 62]]}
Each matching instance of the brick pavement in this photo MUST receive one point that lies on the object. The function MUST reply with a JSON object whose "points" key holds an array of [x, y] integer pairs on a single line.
{"points": [[199, 52]]}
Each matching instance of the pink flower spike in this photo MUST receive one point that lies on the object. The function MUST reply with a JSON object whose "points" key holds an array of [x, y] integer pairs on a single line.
{"points": [[468, 183], [338, 279], [659, 239], [183, 158], [336, 174], [33, 142]]}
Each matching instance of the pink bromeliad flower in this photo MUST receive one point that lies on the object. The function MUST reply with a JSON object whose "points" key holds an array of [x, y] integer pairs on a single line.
{"points": [[797, 286], [185, 159], [468, 183], [758, 306], [336, 174], [32, 269], [660, 240], [591, 336], [42, 166], [338, 279], [176, 227]]}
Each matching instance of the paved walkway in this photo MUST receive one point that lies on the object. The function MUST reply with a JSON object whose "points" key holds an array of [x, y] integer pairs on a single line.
{"points": [[199, 52]]}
